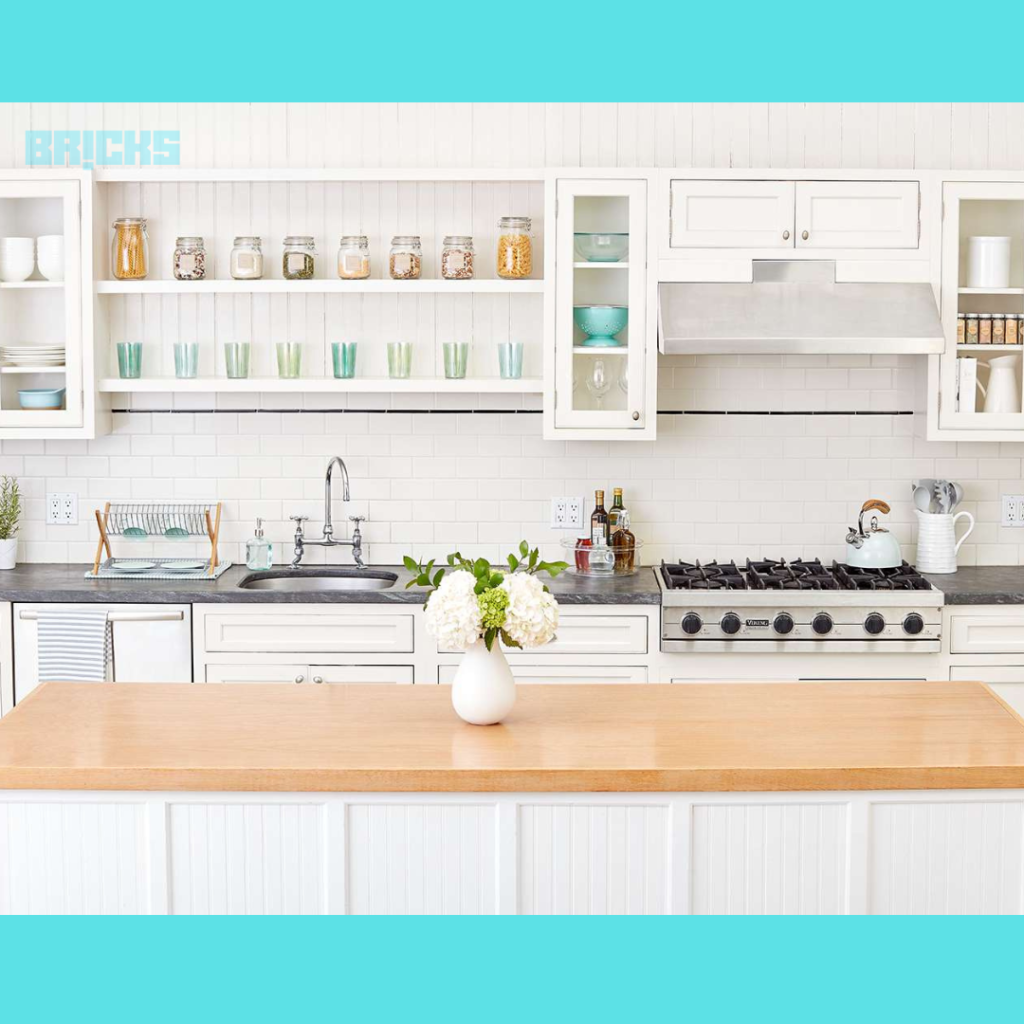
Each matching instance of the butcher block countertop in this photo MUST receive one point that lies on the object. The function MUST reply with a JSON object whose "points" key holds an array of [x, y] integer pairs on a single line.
{"points": [[656, 738]]}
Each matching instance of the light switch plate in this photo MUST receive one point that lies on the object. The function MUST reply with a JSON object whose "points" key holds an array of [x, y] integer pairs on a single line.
{"points": [[62, 508], [1013, 510]]}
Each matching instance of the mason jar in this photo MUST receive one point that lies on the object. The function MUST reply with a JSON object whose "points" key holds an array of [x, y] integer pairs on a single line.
{"points": [[129, 254], [515, 248], [189, 258], [298, 259], [457, 258], [247, 258], [353, 258], [406, 258]]}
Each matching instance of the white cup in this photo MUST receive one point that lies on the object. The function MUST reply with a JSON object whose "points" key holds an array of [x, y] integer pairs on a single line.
{"points": [[988, 261], [17, 258], [936, 541], [50, 249]]}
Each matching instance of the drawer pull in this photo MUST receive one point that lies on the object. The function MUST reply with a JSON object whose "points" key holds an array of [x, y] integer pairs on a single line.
{"points": [[299, 679]]}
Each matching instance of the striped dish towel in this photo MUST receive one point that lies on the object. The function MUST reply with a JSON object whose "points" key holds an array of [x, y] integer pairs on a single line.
{"points": [[75, 645]]}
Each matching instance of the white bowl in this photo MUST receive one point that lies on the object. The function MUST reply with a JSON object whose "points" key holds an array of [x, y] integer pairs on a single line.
{"points": [[12, 274], [52, 267]]}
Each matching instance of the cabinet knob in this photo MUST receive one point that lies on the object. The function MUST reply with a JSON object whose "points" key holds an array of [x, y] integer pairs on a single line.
{"points": [[318, 679], [785, 235], [299, 679], [805, 235], [636, 416]]}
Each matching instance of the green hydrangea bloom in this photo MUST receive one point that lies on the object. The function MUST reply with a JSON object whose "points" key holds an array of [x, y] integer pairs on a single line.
{"points": [[493, 604]]}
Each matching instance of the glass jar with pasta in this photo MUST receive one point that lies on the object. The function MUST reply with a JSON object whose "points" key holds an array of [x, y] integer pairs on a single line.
{"points": [[406, 258], [515, 249], [129, 254]]}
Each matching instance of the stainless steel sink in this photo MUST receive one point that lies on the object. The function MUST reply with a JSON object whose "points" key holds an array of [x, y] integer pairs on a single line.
{"points": [[319, 579]]}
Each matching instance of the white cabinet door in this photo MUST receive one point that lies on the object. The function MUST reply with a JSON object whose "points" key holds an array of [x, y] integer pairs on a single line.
{"points": [[286, 631], [601, 382], [256, 672], [1006, 680], [152, 644], [987, 634], [361, 674], [731, 214], [857, 214], [589, 674]]}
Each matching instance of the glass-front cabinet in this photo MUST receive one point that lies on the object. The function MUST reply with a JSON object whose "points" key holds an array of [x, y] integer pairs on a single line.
{"points": [[982, 309], [45, 378], [601, 368]]}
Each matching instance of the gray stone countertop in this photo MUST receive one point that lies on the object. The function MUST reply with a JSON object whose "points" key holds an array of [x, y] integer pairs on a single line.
{"points": [[982, 584], [35, 582]]}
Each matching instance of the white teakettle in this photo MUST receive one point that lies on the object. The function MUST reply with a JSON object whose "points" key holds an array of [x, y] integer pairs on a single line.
{"points": [[875, 547], [1001, 393]]}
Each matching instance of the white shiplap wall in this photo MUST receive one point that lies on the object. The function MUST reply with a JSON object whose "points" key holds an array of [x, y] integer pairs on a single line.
{"points": [[708, 487]]}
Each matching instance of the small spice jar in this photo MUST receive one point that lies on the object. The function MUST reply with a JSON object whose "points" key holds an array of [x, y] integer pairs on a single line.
{"points": [[515, 248], [1013, 326], [353, 258], [129, 254], [998, 328], [298, 259], [189, 258], [984, 328], [247, 258], [961, 328], [971, 334], [457, 258], [406, 259]]}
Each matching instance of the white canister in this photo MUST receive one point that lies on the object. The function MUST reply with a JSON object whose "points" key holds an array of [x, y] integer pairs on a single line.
{"points": [[988, 261], [936, 541], [9, 553]]}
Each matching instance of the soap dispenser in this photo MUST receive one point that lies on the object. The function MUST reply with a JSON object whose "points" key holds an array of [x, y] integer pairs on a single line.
{"points": [[259, 552]]}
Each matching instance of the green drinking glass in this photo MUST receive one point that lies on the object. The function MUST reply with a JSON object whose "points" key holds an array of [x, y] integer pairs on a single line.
{"points": [[343, 355]]}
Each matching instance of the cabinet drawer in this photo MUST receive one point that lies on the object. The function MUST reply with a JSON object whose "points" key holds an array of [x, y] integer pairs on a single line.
{"points": [[309, 631], [857, 214], [527, 673], [258, 672], [362, 673], [732, 214], [592, 634], [986, 634], [1005, 680]]}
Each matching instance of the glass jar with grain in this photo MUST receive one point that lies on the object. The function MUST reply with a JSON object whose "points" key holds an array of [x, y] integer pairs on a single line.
{"points": [[406, 258], [298, 259], [457, 258], [515, 248], [353, 258], [985, 328], [971, 333], [1013, 326], [189, 260], [247, 258], [998, 329], [129, 254]]}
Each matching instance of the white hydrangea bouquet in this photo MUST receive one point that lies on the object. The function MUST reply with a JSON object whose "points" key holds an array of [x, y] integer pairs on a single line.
{"points": [[470, 605]]}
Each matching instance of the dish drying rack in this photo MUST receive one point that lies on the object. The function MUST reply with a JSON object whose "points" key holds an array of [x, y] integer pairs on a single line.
{"points": [[145, 520]]}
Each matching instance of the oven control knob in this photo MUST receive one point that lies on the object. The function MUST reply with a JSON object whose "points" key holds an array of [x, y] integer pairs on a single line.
{"points": [[692, 623], [913, 624], [822, 623], [730, 623], [783, 623], [874, 623]]}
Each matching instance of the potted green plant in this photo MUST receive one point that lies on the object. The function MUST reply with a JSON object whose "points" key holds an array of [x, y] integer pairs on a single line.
{"points": [[10, 514], [471, 606]]}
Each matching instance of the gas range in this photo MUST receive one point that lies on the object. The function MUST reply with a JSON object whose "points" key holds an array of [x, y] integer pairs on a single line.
{"points": [[767, 606]]}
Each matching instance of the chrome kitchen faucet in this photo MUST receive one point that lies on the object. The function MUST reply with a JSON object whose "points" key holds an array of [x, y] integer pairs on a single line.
{"points": [[328, 541]]}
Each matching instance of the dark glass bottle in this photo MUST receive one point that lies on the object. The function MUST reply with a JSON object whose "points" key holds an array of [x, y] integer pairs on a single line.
{"points": [[615, 514], [624, 545], [599, 521]]}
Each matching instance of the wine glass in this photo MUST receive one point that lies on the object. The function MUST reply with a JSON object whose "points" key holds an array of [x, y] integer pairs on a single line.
{"points": [[599, 382], [624, 381]]}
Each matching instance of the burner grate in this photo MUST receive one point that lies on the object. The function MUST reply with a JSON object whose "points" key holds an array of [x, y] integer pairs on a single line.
{"points": [[903, 577], [694, 576]]}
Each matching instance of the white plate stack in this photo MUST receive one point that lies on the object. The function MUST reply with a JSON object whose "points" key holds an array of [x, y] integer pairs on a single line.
{"points": [[17, 259], [32, 355], [50, 256]]}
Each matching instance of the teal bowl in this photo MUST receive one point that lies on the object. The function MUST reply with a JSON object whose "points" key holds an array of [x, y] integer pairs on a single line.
{"points": [[600, 324], [601, 248], [41, 398]]}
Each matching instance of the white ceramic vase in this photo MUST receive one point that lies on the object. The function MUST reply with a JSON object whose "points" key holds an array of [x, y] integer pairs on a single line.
{"points": [[936, 541], [9, 553], [484, 689]]}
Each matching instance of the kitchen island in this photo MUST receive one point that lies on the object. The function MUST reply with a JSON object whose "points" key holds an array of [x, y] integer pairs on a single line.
{"points": [[786, 798]]}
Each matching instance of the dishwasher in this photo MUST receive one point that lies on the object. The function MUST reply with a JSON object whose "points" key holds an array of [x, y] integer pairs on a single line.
{"points": [[152, 643]]}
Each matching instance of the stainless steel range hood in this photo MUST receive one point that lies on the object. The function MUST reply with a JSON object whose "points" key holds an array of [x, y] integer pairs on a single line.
{"points": [[797, 306]]}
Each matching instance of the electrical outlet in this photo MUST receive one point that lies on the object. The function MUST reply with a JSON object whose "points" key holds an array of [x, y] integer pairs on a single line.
{"points": [[62, 508], [567, 513], [1013, 510]]}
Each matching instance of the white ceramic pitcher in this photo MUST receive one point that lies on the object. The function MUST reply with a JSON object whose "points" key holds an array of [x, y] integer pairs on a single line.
{"points": [[936, 541], [1001, 393]]}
